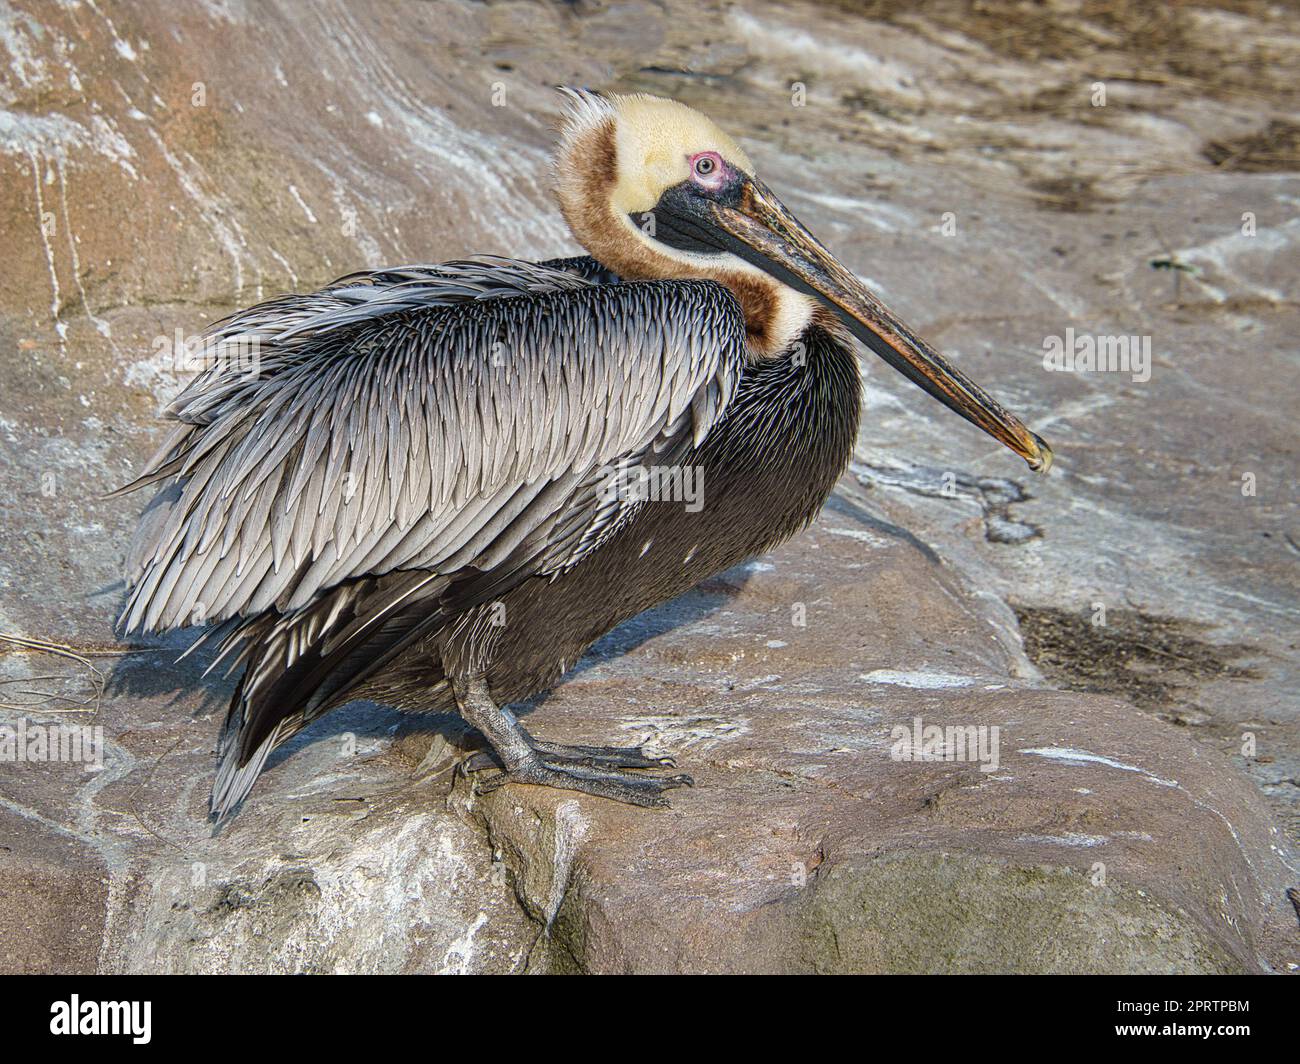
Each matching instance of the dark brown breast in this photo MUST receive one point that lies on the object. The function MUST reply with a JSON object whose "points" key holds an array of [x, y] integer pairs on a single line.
{"points": [[765, 471]]}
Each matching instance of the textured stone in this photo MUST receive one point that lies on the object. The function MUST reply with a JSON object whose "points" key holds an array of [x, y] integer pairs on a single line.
{"points": [[53, 895]]}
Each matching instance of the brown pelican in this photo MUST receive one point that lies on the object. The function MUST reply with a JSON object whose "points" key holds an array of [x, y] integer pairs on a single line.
{"points": [[415, 493]]}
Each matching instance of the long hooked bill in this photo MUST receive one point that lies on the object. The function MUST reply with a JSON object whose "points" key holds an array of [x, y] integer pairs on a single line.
{"points": [[758, 220]]}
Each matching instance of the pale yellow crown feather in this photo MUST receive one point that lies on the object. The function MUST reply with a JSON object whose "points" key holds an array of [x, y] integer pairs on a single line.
{"points": [[654, 139]]}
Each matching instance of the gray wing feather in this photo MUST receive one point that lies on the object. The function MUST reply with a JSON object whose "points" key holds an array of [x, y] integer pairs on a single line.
{"points": [[431, 417]]}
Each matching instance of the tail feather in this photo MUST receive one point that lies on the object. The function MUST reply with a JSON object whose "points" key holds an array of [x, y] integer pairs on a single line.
{"points": [[299, 666], [234, 780]]}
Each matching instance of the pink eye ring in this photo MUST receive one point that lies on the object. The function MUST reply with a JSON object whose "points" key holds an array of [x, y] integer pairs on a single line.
{"points": [[707, 168]]}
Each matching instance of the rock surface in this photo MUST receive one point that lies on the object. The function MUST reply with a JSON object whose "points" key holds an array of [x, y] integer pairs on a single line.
{"points": [[159, 168]]}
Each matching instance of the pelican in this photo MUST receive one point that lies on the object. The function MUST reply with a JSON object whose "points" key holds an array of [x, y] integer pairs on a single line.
{"points": [[415, 491]]}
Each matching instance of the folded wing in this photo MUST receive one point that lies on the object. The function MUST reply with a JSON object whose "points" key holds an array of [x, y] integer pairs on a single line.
{"points": [[438, 419]]}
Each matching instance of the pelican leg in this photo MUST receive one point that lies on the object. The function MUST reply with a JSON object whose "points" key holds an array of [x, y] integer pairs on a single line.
{"points": [[590, 769]]}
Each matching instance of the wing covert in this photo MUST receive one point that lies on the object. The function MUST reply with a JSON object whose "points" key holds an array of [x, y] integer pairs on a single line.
{"points": [[435, 418]]}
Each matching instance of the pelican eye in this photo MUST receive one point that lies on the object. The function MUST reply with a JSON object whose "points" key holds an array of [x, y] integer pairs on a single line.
{"points": [[707, 169]]}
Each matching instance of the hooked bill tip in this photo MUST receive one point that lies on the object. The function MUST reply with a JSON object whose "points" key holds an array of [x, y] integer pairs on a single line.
{"points": [[1043, 461]]}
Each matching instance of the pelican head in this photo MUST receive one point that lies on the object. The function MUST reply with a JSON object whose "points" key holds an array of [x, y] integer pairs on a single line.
{"points": [[655, 190]]}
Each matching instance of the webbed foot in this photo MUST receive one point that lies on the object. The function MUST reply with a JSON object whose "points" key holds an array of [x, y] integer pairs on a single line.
{"points": [[598, 770], [592, 756], [547, 770]]}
